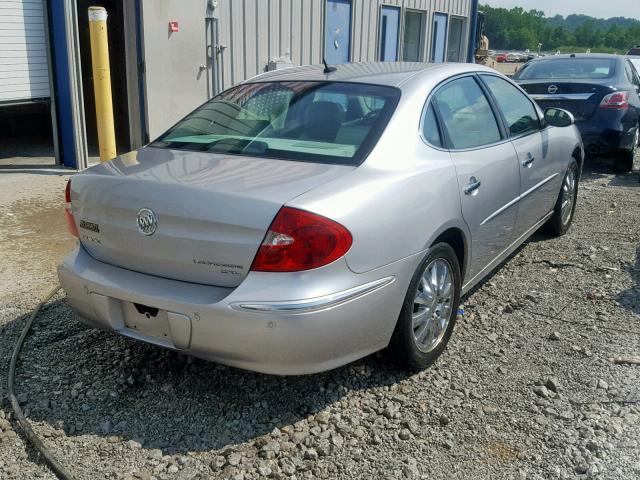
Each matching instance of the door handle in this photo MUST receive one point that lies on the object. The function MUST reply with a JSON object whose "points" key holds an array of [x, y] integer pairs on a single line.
{"points": [[472, 186], [527, 162]]}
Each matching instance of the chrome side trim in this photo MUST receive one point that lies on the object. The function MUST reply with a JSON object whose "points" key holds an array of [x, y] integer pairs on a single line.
{"points": [[562, 96], [501, 209], [538, 185], [313, 304], [505, 253], [517, 199]]}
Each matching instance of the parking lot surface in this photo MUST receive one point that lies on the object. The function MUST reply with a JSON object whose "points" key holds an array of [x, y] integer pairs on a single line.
{"points": [[538, 381]]}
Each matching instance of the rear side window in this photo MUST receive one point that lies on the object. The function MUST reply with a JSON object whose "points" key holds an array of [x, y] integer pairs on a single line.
{"points": [[516, 107], [324, 122], [466, 114], [580, 68], [430, 130]]}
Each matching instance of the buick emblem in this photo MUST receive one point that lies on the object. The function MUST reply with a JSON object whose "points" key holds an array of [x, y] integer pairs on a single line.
{"points": [[552, 89], [147, 221]]}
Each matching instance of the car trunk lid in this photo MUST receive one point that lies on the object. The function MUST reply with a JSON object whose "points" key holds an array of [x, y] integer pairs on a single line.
{"points": [[211, 211], [581, 98]]}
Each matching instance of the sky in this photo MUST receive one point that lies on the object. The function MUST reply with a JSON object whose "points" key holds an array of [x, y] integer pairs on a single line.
{"points": [[595, 8]]}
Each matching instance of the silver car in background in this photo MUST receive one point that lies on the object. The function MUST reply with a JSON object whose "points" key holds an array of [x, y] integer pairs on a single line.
{"points": [[309, 217]]}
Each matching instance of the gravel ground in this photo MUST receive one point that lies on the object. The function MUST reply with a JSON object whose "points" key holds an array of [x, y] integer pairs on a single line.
{"points": [[528, 388]]}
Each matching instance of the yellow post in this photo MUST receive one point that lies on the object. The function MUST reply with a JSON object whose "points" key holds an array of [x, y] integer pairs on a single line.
{"points": [[102, 82]]}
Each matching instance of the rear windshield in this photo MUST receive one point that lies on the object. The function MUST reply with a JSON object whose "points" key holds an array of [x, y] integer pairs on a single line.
{"points": [[309, 121], [580, 68]]}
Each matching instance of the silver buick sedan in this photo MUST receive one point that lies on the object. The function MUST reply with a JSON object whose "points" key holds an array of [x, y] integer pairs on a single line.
{"points": [[311, 216]]}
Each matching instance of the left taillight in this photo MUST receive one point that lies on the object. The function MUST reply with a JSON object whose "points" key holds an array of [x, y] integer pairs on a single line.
{"points": [[68, 213], [616, 101], [298, 240]]}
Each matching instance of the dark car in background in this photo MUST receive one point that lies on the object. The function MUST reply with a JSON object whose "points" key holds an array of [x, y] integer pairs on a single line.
{"points": [[601, 91]]}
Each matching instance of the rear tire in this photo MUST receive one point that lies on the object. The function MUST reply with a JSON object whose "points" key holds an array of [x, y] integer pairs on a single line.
{"points": [[429, 310], [624, 162], [565, 207]]}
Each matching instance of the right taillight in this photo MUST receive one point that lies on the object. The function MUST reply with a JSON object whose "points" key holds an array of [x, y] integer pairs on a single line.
{"points": [[616, 101], [299, 240], [71, 223]]}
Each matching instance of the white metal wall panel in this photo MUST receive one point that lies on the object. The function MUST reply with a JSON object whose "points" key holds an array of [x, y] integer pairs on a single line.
{"points": [[24, 72], [174, 79], [250, 34]]}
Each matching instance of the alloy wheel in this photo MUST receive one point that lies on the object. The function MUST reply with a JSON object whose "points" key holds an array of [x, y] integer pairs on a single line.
{"points": [[569, 193], [432, 305]]}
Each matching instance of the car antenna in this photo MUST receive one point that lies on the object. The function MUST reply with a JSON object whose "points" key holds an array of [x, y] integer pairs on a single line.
{"points": [[327, 68]]}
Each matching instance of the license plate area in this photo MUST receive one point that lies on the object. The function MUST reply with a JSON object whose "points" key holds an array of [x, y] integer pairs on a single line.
{"points": [[145, 322], [149, 321]]}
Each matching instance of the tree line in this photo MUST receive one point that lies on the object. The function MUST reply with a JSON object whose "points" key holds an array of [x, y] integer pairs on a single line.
{"points": [[517, 29]]}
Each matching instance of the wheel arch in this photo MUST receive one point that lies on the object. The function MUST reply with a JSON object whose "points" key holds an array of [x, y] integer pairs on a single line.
{"points": [[578, 154], [456, 238]]}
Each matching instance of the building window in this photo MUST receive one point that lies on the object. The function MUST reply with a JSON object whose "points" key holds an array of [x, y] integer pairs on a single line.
{"points": [[389, 33], [456, 40], [413, 37]]}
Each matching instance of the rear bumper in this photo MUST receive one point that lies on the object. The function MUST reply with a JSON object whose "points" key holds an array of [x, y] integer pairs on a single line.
{"points": [[273, 323], [603, 140]]}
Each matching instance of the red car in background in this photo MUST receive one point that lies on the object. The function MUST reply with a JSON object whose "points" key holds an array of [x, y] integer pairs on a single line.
{"points": [[501, 57]]}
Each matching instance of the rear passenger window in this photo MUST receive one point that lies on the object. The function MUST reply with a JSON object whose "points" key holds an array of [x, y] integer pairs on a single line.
{"points": [[430, 130], [516, 107], [466, 114]]}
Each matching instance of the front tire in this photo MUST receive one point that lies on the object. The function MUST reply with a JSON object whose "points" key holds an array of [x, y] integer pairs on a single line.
{"points": [[565, 207], [429, 310]]}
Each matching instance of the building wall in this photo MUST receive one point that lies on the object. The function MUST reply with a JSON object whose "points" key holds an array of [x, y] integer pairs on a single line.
{"points": [[256, 31], [250, 33], [365, 25], [175, 83]]}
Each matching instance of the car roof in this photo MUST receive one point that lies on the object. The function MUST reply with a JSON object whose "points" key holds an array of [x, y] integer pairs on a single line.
{"points": [[578, 55], [392, 74]]}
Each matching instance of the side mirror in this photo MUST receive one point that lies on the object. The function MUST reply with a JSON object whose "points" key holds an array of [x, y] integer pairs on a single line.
{"points": [[557, 117]]}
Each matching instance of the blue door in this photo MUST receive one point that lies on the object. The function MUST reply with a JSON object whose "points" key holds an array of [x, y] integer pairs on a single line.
{"points": [[337, 33], [389, 30], [439, 38]]}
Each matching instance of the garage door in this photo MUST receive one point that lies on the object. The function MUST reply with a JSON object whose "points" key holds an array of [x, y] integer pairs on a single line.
{"points": [[23, 57]]}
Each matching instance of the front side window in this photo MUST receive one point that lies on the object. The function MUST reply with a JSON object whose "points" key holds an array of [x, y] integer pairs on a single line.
{"points": [[518, 110], [309, 121], [466, 114]]}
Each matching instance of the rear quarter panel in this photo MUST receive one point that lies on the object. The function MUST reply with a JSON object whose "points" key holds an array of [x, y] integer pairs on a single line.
{"points": [[399, 200]]}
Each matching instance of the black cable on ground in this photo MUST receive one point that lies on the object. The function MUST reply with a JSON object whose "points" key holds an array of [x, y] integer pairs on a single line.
{"points": [[53, 463]]}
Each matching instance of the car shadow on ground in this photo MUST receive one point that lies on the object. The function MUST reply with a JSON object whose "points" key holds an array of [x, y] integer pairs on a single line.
{"points": [[629, 298], [86, 382], [595, 170]]}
